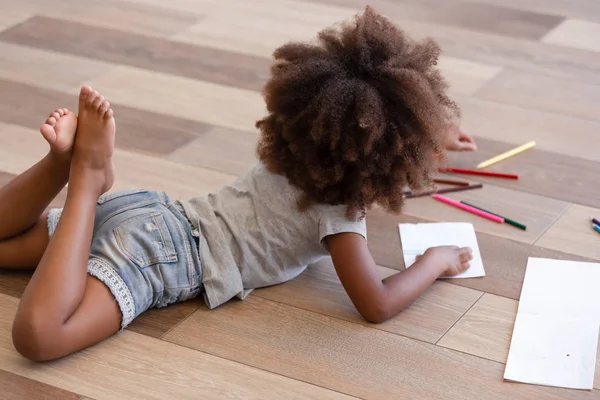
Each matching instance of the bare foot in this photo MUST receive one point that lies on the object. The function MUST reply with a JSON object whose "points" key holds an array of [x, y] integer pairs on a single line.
{"points": [[95, 142], [59, 131]]}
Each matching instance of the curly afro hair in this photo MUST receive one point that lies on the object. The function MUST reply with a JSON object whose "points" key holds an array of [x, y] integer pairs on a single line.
{"points": [[356, 117]]}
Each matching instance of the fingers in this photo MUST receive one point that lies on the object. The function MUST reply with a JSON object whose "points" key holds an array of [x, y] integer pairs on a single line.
{"points": [[466, 142], [465, 254], [464, 266], [466, 146], [97, 103]]}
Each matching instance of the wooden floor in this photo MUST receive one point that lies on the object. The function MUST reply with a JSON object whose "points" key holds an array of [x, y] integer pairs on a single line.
{"points": [[185, 77]]}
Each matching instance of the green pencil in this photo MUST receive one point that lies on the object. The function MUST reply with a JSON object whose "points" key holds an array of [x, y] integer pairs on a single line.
{"points": [[506, 220]]}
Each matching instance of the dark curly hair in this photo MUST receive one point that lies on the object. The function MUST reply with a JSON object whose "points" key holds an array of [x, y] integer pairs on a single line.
{"points": [[356, 117]]}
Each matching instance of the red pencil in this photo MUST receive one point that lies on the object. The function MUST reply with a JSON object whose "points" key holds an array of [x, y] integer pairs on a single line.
{"points": [[484, 173]]}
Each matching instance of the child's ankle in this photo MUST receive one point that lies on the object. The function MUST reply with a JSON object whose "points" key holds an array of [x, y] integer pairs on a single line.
{"points": [[60, 161]]}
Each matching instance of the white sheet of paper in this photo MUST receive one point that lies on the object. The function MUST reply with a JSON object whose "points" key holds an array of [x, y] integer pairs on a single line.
{"points": [[555, 337], [417, 238], [551, 351]]}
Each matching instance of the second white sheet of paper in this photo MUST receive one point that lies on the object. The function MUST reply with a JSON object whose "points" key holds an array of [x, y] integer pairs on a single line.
{"points": [[417, 238], [555, 337]]}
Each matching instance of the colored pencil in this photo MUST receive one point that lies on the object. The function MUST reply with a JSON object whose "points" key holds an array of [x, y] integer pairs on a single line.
{"points": [[409, 195], [507, 154], [597, 228], [451, 182], [595, 221], [483, 173], [470, 209], [506, 220]]}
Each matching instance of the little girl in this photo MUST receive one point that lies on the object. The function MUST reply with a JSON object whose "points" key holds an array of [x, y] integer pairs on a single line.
{"points": [[351, 121]]}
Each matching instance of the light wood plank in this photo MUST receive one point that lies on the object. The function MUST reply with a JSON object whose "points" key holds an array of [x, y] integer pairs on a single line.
{"points": [[573, 233], [486, 331], [197, 7], [225, 150], [141, 51], [575, 99], [569, 136], [24, 147], [137, 18], [536, 212], [133, 366], [575, 33], [259, 27], [15, 387], [466, 77], [10, 17], [427, 319], [344, 356], [46, 69], [181, 97]]}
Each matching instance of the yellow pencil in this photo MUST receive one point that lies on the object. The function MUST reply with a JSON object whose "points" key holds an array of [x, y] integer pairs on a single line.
{"points": [[504, 156]]}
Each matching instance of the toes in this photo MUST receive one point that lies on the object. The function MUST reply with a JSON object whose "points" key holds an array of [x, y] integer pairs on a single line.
{"points": [[48, 133], [91, 98], [104, 107], [83, 95], [51, 121], [56, 115], [60, 112], [97, 103], [109, 114], [85, 90], [65, 110]]}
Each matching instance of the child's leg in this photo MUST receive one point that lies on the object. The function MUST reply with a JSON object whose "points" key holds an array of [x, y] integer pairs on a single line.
{"points": [[63, 309], [25, 250], [23, 200], [23, 236]]}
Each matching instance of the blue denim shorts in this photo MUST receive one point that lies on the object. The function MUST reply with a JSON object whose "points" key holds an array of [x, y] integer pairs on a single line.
{"points": [[144, 249]]}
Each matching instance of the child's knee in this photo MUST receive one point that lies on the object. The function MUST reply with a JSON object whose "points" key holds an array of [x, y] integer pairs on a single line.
{"points": [[33, 338]]}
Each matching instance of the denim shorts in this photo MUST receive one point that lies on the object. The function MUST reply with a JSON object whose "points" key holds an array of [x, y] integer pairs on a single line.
{"points": [[144, 249]]}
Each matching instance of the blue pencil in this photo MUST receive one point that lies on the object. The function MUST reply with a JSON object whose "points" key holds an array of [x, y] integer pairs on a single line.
{"points": [[597, 228]]}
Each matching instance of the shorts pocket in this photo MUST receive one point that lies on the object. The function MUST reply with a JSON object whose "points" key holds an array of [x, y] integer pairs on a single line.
{"points": [[119, 193], [146, 240]]}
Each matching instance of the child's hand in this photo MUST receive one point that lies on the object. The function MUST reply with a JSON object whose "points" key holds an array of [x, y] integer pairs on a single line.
{"points": [[452, 260], [459, 140]]}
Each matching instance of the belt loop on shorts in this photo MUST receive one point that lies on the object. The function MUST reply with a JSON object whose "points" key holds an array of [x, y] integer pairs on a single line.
{"points": [[193, 231], [163, 198]]}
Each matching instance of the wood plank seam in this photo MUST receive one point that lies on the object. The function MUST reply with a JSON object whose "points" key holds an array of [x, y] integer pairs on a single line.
{"points": [[459, 318], [553, 223], [372, 326], [268, 371], [176, 325]]}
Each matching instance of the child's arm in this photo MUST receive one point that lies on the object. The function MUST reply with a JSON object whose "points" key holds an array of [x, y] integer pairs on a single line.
{"points": [[378, 300]]}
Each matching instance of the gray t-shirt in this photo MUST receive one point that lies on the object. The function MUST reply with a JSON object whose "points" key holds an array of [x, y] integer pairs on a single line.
{"points": [[253, 234]]}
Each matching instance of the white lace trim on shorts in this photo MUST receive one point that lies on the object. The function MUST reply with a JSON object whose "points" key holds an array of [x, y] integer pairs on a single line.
{"points": [[104, 272], [53, 218]]}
